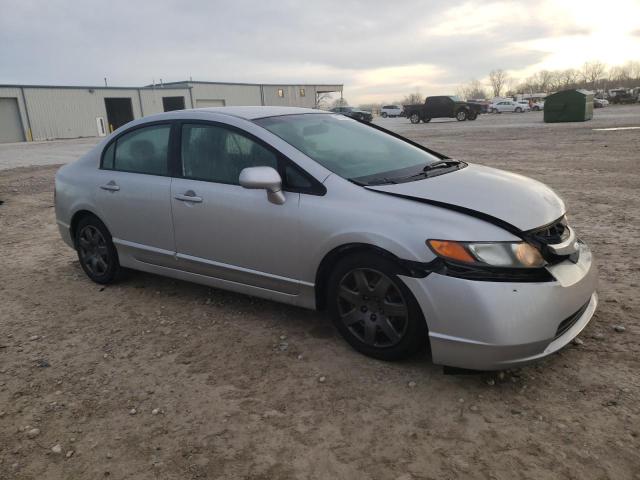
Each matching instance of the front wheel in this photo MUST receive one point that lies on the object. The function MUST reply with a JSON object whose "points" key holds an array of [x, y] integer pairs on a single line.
{"points": [[461, 116], [373, 310], [96, 252], [414, 118], [518, 110], [384, 115]]}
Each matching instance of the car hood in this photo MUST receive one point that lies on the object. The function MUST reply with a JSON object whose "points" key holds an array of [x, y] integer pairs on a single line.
{"points": [[517, 200]]}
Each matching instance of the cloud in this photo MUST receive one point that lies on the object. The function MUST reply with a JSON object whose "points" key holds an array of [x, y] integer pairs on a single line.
{"points": [[376, 48]]}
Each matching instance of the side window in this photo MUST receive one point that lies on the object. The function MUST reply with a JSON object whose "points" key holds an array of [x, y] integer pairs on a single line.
{"points": [[145, 150], [296, 180], [107, 157], [218, 154]]}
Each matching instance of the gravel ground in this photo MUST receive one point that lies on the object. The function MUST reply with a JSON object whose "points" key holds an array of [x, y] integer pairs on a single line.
{"points": [[156, 378]]}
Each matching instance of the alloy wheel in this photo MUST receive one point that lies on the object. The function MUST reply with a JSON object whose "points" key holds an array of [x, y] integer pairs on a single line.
{"points": [[372, 308], [93, 250]]}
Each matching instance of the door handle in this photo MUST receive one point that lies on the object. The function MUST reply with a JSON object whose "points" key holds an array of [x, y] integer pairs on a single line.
{"points": [[188, 196], [111, 186]]}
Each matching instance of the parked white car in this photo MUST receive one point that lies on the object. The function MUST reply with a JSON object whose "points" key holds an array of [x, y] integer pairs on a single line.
{"points": [[537, 106], [391, 111], [508, 106]]}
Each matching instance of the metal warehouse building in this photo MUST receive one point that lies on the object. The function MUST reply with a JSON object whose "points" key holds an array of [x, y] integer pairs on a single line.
{"points": [[30, 112]]}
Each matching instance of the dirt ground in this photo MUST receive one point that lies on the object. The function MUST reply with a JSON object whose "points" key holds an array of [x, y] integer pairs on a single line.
{"points": [[156, 378]]}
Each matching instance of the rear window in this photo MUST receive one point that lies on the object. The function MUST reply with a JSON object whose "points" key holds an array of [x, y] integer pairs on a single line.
{"points": [[143, 150]]}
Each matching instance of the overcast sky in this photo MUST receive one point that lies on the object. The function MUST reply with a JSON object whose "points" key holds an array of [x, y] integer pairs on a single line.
{"points": [[380, 50]]}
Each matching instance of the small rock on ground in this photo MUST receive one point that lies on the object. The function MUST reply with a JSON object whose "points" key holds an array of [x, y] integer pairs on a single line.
{"points": [[56, 449], [619, 328]]}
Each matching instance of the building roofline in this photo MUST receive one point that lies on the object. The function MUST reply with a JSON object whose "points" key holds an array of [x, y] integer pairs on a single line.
{"points": [[94, 87], [254, 84]]}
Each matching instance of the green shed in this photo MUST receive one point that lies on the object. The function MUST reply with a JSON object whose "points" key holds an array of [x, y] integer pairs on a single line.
{"points": [[568, 106]]}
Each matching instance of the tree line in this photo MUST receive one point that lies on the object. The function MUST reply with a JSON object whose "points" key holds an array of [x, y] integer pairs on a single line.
{"points": [[593, 75]]}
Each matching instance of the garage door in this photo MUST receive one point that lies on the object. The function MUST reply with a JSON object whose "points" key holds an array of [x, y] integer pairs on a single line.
{"points": [[10, 123], [203, 103]]}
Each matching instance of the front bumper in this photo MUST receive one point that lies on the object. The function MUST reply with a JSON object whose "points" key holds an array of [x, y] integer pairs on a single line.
{"points": [[496, 325]]}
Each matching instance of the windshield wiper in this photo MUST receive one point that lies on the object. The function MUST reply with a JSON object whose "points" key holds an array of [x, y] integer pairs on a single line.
{"points": [[428, 168], [440, 164], [381, 181]]}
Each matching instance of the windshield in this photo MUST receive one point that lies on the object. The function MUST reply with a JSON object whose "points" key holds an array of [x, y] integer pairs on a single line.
{"points": [[348, 148]]}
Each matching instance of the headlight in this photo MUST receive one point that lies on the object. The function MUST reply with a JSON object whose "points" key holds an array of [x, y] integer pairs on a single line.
{"points": [[494, 254]]}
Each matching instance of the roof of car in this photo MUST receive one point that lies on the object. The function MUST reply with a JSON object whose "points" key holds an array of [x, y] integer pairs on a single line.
{"points": [[251, 113]]}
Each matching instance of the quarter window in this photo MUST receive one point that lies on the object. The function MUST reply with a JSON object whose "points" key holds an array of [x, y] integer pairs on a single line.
{"points": [[144, 150], [217, 154]]}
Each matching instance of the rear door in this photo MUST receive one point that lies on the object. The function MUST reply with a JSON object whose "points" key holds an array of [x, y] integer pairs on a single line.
{"points": [[133, 193], [223, 230]]}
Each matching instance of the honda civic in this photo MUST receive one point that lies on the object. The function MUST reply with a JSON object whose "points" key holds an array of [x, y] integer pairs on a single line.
{"points": [[405, 248]]}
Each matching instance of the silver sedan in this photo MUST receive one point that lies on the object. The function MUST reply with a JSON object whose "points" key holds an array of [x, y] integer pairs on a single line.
{"points": [[405, 248]]}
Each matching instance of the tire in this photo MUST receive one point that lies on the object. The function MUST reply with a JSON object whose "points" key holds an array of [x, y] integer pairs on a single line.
{"points": [[461, 115], [360, 308], [97, 255], [536, 109], [384, 115], [414, 118], [426, 120], [518, 110], [472, 116]]}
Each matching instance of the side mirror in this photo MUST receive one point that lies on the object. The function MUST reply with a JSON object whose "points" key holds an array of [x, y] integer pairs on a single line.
{"points": [[266, 178]]}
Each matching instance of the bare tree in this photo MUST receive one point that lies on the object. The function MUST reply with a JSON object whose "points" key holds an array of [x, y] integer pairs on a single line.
{"points": [[413, 98], [568, 78], [340, 102], [322, 100], [498, 79], [544, 80], [473, 89], [593, 71]]}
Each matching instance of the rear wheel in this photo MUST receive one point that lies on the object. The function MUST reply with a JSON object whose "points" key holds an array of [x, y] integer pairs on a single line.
{"points": [[473, 115], [373, 310], [461, 116], [414, 118], [384, 115], [426, 120], [96, 252], [518, 110]]}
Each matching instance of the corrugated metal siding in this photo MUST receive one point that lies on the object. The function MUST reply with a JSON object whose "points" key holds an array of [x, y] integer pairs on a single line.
{"points": [[233, 95], [152, 98], [71, 112], [13, 92]]}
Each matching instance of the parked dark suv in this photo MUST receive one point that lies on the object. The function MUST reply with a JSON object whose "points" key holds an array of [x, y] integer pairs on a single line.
{"points": [[354, 113]]}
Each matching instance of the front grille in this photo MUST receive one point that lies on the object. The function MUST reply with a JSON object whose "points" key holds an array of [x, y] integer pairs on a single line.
{"points": [[551, 234], [569, 322]]}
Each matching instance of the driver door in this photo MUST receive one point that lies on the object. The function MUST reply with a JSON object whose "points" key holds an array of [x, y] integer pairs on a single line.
{"points": [[223, 230]]}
